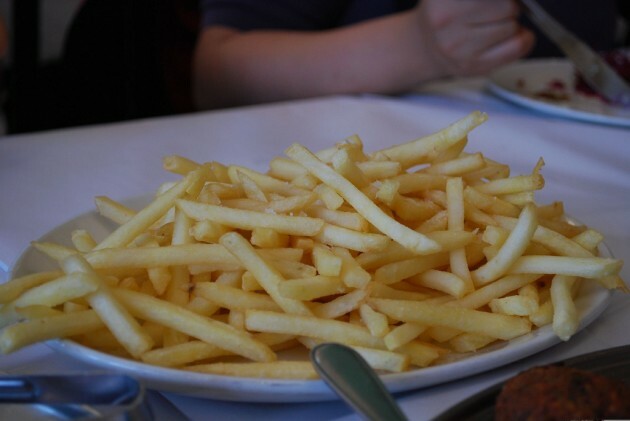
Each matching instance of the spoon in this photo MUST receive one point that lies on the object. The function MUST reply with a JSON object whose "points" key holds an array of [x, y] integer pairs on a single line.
{"points": [[351, 377]]}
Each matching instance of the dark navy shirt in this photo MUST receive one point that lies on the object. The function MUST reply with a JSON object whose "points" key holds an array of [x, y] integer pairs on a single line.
{"points": [[593, 20]]}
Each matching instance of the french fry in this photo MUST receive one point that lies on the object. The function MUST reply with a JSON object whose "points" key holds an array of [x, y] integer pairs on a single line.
{"points": [[376, 322], [234, 298], [124, 234], [238, 218], [424, 149], [341, 305], [496, 325], [585, 267], [41, 329], [55, 292], [511, 250], [12, 289], [114, 315], [310, 326], [565, 318], [398, 232], [402, 334], [334, 235], [182, 320], [273, 370], [265, 273], [311, 288]]}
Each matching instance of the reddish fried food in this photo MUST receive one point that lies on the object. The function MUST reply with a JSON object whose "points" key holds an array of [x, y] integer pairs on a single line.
{"points": [[562, 393]]}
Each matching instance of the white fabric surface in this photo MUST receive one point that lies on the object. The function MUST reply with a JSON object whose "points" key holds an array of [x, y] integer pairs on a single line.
{"points": [[48, 178]]}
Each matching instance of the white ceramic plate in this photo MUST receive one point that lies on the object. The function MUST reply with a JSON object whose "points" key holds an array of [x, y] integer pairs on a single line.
{"points": [[591, 302], [523, 81]]}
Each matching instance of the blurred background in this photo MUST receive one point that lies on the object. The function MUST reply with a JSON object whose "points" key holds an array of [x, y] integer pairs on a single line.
{"points": [[70, 63]]}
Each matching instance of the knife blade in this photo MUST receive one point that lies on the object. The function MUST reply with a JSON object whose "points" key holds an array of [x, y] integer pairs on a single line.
{"points": [[598, 74]]}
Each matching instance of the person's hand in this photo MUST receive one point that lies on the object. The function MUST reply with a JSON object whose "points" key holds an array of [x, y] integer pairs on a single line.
{"points": [[472, 37]]}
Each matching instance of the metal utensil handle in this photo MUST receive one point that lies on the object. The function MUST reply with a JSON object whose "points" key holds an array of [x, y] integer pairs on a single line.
{"points": [[347, 373], [17, 390]]}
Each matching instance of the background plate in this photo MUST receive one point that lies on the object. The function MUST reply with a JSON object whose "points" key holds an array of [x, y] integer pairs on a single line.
{"points": [[520, 82], [592, 300]]}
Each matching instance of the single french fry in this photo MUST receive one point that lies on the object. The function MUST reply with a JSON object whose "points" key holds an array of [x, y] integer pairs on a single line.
{"points": [[325, 261], [55, 292], [82, 240], [420, 354], [234, 298], [511, 250], [12, 289], [179, 164], [462, 282], [311, 288], [378, 170], [376, 322], [341, 305], [380, 359], [350, 220], [585, 267], [514, 305], [265, 182], [565, 317], [334, 235], [402, 334], [113, 210], [418, 182], [41, 329], [457, 166], [310, 326], [496, 325], [442, 281], [238, 218], [470, 342], [513, 185], [302, 370], [124, 234], [210, 255]]}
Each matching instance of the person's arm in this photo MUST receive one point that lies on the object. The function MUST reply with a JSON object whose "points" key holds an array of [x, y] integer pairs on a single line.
{"points": [[384, 55]]}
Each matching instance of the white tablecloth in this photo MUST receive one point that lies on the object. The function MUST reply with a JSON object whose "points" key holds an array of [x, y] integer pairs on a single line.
{"points": [[48, 178]]}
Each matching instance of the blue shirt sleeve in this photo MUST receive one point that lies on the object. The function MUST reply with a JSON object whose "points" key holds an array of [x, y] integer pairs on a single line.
{"points": [[296, 14]]}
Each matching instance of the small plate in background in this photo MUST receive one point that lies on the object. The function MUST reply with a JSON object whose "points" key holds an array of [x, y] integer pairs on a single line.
{"points": [[547, 86]]}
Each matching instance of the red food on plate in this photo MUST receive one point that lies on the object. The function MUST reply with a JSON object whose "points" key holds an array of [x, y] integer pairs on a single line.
{"points": [[562, 393]]}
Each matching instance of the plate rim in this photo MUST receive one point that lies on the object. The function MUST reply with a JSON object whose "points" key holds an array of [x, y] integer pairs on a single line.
{"points": [[242, 389]]}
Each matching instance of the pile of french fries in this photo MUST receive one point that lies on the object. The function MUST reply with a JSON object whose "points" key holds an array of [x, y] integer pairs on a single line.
{"points": [[408, 254]]}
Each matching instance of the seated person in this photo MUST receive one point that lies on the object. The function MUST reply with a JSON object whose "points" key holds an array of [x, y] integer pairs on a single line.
{"points": [[252, 52]]}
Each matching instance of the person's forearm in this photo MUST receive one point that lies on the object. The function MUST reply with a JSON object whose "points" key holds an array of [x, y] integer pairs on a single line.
{"points": [[382, 56]]}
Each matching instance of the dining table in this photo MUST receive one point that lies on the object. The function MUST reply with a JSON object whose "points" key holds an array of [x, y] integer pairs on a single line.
{"points": [[50, 177]]}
